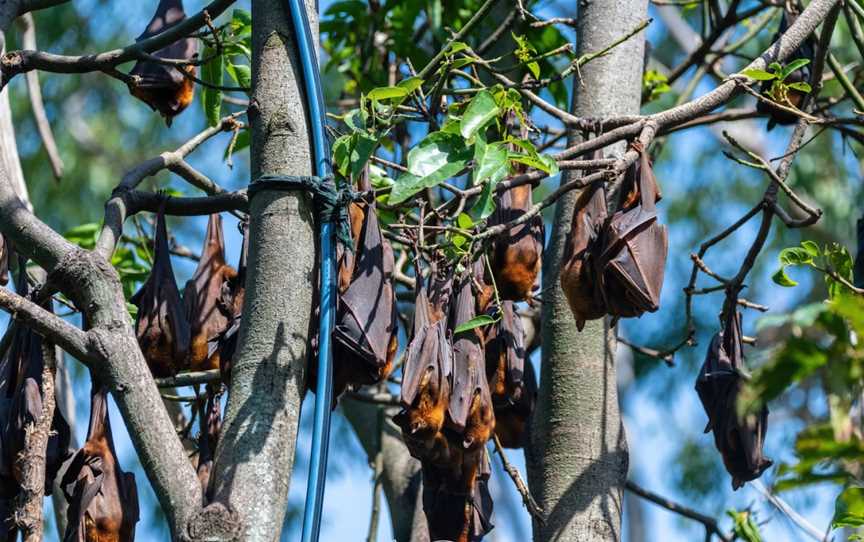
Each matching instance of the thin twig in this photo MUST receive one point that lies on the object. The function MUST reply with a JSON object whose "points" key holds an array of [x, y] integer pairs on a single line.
{"points": [[527, 499]]}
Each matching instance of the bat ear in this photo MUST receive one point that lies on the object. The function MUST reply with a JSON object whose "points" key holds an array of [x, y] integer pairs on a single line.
{"points": [[580, 324]]}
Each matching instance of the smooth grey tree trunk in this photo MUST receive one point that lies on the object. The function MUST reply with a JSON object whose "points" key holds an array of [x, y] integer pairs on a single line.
{"points": [[578, 455], [255, 455]]}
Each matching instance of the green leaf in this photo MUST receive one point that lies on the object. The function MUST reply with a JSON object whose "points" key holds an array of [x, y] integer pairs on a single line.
{"points": [[849, 508], [744, 526], [241, 21], [759, 75], [240, 74], [801, 86], [797, 359], [485, 204], [211, 98], [437, 158], [481, 111], [795, 256], [464, 221], [411, 84], [490, 162], [84, 235], [793, 66], [387, 93], [477, 321], [811, 248], [362, 147]]}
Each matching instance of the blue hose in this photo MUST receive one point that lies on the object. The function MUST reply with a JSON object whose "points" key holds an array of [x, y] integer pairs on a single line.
{"points": [[324, 389]]}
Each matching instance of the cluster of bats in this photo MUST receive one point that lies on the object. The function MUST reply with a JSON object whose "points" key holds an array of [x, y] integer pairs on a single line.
{"points": [[102, 499]]}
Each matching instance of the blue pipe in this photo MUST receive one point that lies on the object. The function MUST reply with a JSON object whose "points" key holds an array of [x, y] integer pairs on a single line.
{"points": [[324, 388]]}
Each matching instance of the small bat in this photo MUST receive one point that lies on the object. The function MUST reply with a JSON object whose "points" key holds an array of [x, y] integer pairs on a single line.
{"points": [[453, 513], [365, 335], [163, 87], [21, 369], [633, 248], [224, 345], [426, 376], [795, 98], [103, 500], [517, 254], [579, 270], [211, 426], [512, 382], [202, 296], [738, 438], [161, 325]]}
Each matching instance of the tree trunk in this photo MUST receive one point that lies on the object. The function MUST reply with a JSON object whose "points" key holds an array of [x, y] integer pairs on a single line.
{"points": [[578, 454], [256, 450]]}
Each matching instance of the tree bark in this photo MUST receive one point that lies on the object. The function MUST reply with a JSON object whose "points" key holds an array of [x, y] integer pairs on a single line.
{"points": [[255, 455], [578, 455]]}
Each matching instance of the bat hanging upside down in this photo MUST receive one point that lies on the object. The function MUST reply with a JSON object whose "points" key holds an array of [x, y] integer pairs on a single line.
{"points": [[163, 87]]}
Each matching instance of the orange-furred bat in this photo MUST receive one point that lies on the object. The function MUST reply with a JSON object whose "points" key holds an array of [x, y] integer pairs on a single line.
{"points": [[517, 254], [365, 336], [103, 500], [426, 377], [738, 437], [161, 86], [161, 325], [223, 346], [202, 296], [512, 382]]}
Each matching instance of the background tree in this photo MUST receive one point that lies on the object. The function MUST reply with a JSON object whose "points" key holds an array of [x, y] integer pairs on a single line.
{"points": [[577, 467]]}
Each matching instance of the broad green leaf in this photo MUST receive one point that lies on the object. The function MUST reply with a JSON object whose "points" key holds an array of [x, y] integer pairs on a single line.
{"points": [[811, 248], [240, 74], [362, 147], [759, 75], [485, 205], [776, 68], [436, 151], [211, 98], [464, 221], [793, 66], [411, 84], [490, 162], [795, 256], [457, 47], [387, 93], [84, 235], [477, 321], [800, 86], [481, 111], [849, 508], [780, 277], [341, 154]]}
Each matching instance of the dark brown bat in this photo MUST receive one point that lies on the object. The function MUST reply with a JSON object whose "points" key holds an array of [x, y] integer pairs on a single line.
{"points": [[365, 335], [103, 500], [426, 377], [224, 345], [807, 51], [511, 377], [738, 438], [579, 272], [517, 254], [211, 426], [202, 296], [21, 369], [633, 248], [165, 88], [161, 325]]}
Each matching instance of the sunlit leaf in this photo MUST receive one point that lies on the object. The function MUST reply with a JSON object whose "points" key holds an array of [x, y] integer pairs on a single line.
{"points": [[481, 111]]}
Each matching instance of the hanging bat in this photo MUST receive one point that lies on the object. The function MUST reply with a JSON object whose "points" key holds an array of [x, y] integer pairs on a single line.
{"points": [[426, 376], [22, 369], [202, 296], [738, 438], [517, 255], [579, 270], [103, 500], [211, 426], [223, 346], [165, 88], [365, 335], [511, 378], [161, 325], [633, 247], [794, 98]]}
